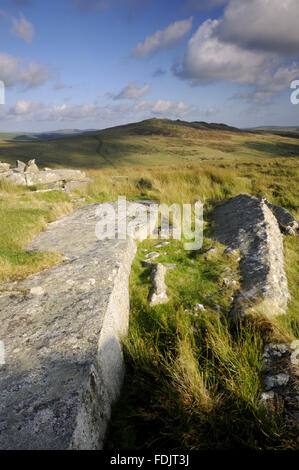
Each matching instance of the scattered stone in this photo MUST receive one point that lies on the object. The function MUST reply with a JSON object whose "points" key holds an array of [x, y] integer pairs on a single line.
{"points": [[210, 251], [199, 307], [230, 251], [29, 175], [281, 377], [273, 350], [171, 265], [146, 263], [224, 270], [152, 255], [159, 245], [284, 218], [278, 380], [158, 293], [209, 296], [267, 397], [216, 308], [290, 231], [228, 282], [295, 357]]}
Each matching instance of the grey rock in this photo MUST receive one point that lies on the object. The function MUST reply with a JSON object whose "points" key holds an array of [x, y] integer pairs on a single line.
{"points": [[216, 308], [284, 217], [199, 307], [20, 166], [278, 380], [4, 167], [229, 251], [171, 265], [30, 175], [152, 255], [146, 263], [61, 330], [31, 167], [228, 282], [267, 397], [246, 223], [157, 294], [159, 245], [290, 231], [210, 251]]}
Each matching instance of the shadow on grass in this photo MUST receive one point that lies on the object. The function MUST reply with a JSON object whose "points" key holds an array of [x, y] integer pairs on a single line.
{"points": [[279, 149]]}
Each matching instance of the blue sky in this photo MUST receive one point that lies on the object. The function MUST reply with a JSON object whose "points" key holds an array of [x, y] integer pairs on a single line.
{"points": [[98, 63]]}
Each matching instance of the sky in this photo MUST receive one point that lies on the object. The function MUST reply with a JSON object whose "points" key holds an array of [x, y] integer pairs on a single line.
{"points": [[93, 64]]}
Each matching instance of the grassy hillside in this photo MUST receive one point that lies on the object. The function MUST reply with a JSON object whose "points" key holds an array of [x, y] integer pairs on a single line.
{"points": [[192, 382], [150, 143]]}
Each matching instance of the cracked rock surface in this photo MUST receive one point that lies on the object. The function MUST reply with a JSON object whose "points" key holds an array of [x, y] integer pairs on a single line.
{"points": [[246, 223], [60, 330]]}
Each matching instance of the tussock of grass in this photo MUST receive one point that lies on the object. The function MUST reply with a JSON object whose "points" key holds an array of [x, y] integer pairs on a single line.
{"points": [[193, 382], [23, 215]]}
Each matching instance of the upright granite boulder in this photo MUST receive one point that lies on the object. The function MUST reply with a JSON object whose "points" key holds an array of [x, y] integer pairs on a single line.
{"points": [[31, 167], [247, 223]]}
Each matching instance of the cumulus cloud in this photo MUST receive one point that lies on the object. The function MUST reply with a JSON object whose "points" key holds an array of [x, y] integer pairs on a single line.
{"points": [[163, 39], [208, 58], [34, 111], [237, 48], [16, 71], [22, 28], [170, 108], [132, 92], [270, 25]]}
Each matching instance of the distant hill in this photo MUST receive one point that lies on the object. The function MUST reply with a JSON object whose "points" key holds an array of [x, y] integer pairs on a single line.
{"points": [[283, 131], [150, 142], [31, 136]]}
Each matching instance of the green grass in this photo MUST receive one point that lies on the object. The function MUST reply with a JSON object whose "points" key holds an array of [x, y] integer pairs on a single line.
{"points": [[192, 382], [23, 215], [150, 143]]}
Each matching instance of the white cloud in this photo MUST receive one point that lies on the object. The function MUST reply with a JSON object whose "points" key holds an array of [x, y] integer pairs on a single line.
{"points": [[237, 48], [271, 25], [208, 58], [171, 108], [32, 111], [163, 39], [22, 28], [131, 91], [16, 71]]}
